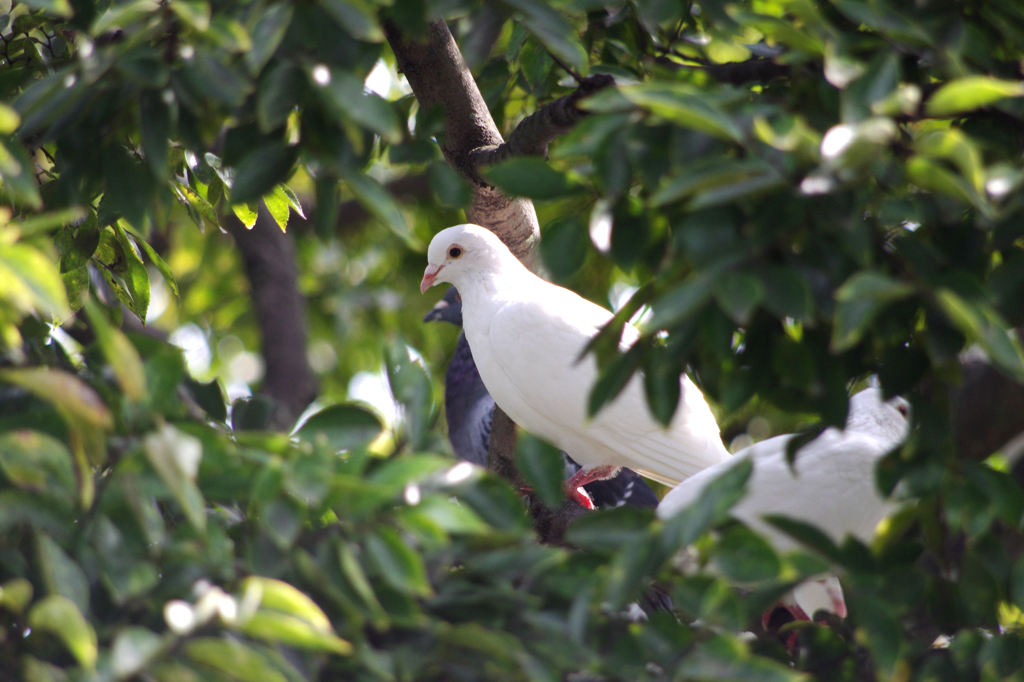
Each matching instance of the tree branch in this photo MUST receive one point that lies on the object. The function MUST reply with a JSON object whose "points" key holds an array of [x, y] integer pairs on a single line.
{"points": [[440, 79], [535, 132], [987, 409], [268, 256]]}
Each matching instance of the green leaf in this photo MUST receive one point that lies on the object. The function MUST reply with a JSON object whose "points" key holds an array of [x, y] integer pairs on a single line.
{"points": [[358, 17], [60, 573], [807, 534], [878, 626], [279, 206], [247, 214], [396, 563], [398, 472], [450, 187], [252, 413], [344, 96], [345, 426], [528, 176], [60, 8], [175, 456], [553, 30], [30, 281], [608, 529], [971, 92], [738, 293], [17, 175], [155, 127], [685, 107], [199, 207], [9, 119], [193, 13], [270, 29], [59, 616], [357, 580], [127, 187], [744, 556], [787, 294], [278, 595], [233, 659], [15, 595], [858, 301], [411, 387], [681, 302], [36, 462], [376, 199], [135, 274], [541, 466], [161, 265], [496, 503], [711, 506], [718, 179], [289, 630], [729, 658], [69, 394], [934, 177], [278, 93], [210, 75], [662, 385], [119, 353], [563, 246], [980, 323], [612, 379], [260, 170]]}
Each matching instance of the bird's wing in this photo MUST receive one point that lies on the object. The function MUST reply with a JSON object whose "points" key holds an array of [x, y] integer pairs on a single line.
{"points": [[540, 380], [833, 487], [531, 364], [469, 409]]}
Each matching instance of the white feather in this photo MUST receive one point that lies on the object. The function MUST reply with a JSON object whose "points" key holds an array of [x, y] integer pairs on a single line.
{"points": [[527, 335], [831, 486]]}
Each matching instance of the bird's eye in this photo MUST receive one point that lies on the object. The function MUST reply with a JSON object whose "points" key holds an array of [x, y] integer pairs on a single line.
{"points": [[454, 252], [903, 408]]}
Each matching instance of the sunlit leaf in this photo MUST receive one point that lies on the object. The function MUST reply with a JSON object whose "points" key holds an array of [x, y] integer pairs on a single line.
{"points": [[344, 426], [119, 352], [175, 456], [971, 92], [59, 616], [683, 107]]}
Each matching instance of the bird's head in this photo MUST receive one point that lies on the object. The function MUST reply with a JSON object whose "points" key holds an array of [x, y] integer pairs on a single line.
{"points": [[869, 413], [448, 309], [459, 252]]}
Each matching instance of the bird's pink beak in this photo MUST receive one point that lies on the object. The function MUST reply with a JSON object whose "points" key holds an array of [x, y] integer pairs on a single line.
{"points": [[429, 275]]}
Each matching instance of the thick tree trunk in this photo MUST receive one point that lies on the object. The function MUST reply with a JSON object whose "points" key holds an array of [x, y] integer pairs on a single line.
{"points": [[440, 79], [269, 259]]}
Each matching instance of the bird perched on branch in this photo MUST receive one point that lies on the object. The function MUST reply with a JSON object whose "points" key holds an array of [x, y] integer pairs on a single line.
{"points": [[469, 409], [527, 338], [831, 485]]}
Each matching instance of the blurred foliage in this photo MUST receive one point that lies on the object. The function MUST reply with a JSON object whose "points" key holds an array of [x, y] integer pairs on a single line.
{"points": [[800, 194]]}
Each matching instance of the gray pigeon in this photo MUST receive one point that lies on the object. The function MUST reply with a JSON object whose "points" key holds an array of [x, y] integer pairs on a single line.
{"points": [[470, 409]]}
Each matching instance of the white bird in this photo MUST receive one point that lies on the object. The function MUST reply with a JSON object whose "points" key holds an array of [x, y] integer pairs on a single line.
{"points": [[831, 486], [527, 336]]}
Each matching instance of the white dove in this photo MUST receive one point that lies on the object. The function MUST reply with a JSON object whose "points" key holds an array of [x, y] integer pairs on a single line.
{"points": [[527, 336], [832, 488]]}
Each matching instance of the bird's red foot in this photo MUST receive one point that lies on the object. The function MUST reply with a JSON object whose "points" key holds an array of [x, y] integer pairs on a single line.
{"points": [[574, 484]]}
